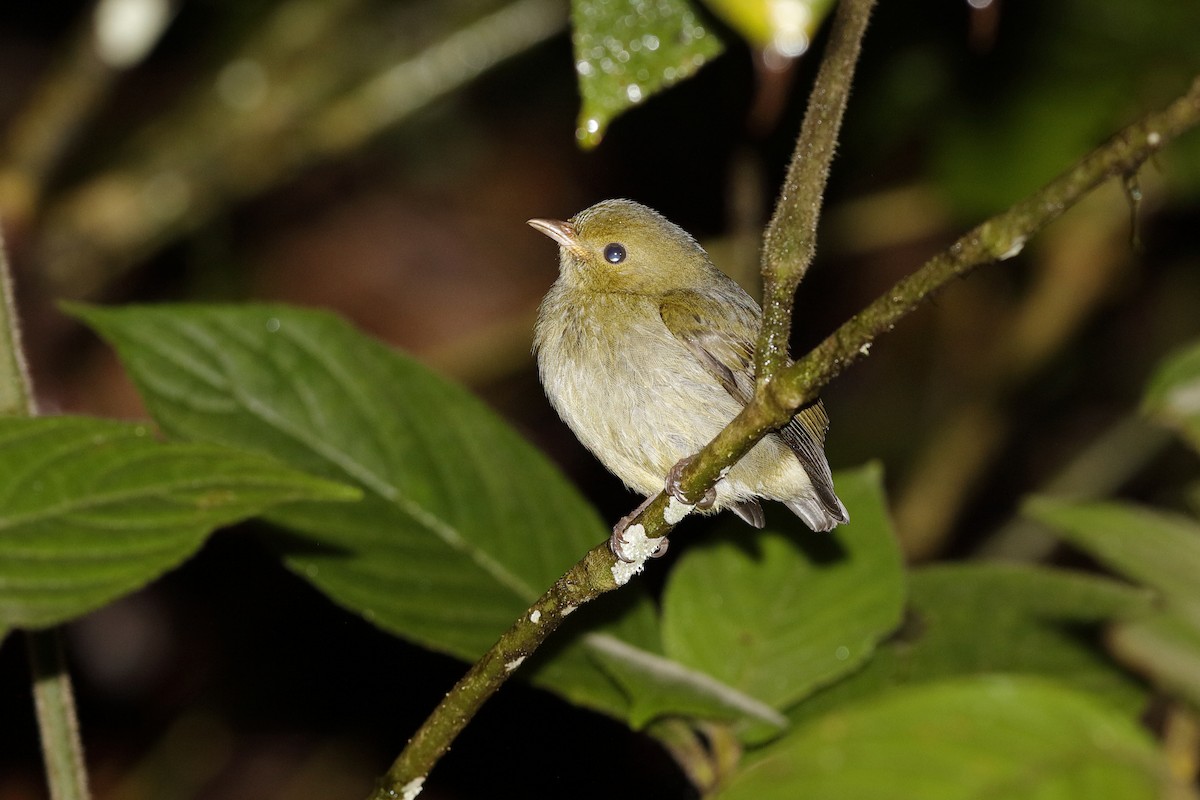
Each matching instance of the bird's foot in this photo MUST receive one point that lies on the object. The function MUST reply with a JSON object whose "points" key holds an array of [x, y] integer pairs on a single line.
{"points": [[618, 544], [672, 486]]}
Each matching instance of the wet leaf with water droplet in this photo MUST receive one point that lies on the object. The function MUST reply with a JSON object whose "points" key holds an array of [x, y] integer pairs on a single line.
{"points": [[627, 50]]}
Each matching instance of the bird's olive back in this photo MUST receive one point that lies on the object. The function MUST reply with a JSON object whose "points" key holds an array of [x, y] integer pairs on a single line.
{"points": [[625, 246]]}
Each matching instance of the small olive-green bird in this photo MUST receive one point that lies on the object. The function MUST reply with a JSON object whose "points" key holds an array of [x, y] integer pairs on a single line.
{"points": [[646, 350]]}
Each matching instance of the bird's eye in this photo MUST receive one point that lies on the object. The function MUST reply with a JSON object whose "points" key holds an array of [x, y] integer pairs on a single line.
{"points": [[614, 253]]}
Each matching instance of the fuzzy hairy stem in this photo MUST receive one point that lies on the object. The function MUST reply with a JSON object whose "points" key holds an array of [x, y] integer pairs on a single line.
{"points": [[791, 237], [58, 723], [53, 699]]}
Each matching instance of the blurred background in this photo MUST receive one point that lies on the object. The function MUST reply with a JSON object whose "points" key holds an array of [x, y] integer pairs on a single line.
{"points": [[379, 158]]}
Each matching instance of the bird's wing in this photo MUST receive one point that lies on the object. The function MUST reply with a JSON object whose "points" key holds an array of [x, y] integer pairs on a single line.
{"points": [[720, 334], [805, 434]]}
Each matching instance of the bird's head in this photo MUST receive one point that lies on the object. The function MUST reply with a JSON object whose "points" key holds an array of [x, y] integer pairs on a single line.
{"points": [[623, 246]]}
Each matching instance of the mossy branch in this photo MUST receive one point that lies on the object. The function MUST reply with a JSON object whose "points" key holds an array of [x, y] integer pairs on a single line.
{"points": [[787, 387]]}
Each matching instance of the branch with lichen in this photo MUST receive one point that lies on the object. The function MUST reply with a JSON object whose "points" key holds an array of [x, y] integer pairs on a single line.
{"points": [[785, 387]]}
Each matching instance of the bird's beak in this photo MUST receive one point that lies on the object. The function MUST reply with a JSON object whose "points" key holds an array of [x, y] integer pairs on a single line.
{"points": [[562, 232]]}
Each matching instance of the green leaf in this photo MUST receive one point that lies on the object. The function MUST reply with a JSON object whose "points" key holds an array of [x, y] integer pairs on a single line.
{"points": [[785, 28], [993, 737], [1173, 395], [463, 523], [971, 619], [1165, 647], [678, 690], [627, 50], [777, 615], [1157, 549], [1163, 552], [92, 509]]}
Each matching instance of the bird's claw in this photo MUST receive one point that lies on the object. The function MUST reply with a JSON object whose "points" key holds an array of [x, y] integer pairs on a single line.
{"points": [[675, 476], [617, 542]]}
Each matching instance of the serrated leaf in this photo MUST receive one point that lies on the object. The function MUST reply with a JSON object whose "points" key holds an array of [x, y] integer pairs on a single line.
{"points": [[1158, 549], [92, 509], [971, 619], [463, 523], [787, 28], [1173, 394], [627, 50], [777, 615], [994, 737]]}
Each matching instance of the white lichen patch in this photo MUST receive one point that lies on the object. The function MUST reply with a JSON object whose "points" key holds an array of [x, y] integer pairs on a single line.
{"points": [[535, 617], [676, 510], [568, 610], [511, 666], [1017, 245], [411, 789], [638, 547]]}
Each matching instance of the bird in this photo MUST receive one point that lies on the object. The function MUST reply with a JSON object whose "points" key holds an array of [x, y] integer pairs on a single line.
{"points": [[646, 351]]}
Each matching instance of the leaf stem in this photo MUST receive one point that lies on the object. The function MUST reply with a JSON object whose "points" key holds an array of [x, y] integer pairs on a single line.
{"points": [[53, 698], [16, 394], [57, 720]]}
